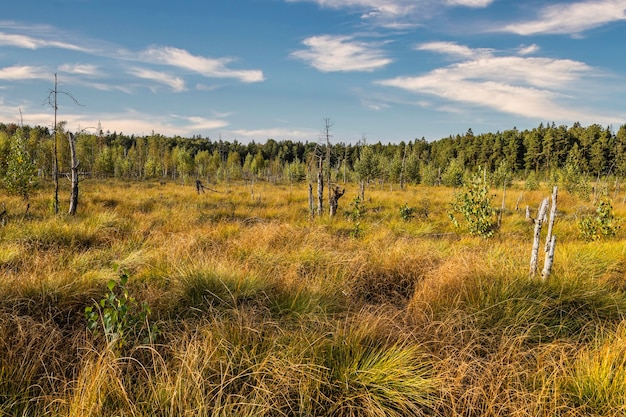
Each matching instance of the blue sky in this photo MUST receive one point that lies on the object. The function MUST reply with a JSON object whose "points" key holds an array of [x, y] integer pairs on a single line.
{"points": [[246, 70]]}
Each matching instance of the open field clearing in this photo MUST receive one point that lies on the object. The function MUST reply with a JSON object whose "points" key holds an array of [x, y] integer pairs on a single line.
{"points": [[237, 303]]}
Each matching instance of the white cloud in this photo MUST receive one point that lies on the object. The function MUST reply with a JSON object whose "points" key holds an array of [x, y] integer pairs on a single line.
{"points": [[454, 49], [196, 123], [28, 42], [161, 55], [470, 3], [177, 84], [208, 67], [571, 18], [80, 69], [528, 49], [396, 14], [128, 121], [277, 133], [204, 87], [524, 86], [23, 72], [329, 53]]}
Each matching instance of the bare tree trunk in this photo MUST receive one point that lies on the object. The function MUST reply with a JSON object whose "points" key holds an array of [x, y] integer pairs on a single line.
{"points": [[402, 168], [555, 192], [547, 265], [503, 205], [537, 237], [320, 193], [311, 206], [73, 174], [333, 203], [55, 159]]}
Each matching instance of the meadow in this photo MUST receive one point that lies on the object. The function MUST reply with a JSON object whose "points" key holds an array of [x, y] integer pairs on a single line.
{"points": [[238, 303]]}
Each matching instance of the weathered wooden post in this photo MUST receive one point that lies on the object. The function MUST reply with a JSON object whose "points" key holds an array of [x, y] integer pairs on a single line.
{"points": [[320, 193], [537, 237], [555, 192], [311, 205], [334, 200], [74, 163], [547, 265]]}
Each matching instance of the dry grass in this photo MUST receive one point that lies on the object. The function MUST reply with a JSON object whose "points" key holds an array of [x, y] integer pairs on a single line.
{"points": [[262, 311]]}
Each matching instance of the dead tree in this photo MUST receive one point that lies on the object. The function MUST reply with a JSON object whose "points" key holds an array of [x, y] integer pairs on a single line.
{"points": [[74, 163], [3, 215], [199, 187], [555, 193], [320, 190], [334, 199], [537, 236], [52, 102], [311, 205]]}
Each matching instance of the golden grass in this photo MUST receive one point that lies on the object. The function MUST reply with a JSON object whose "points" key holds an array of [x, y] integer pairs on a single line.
{"points": [[263, 311]]}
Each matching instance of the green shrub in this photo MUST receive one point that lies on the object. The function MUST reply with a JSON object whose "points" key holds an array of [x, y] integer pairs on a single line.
{"points": [[407, 213], [601, 224], [118, 316], [473, 203]]}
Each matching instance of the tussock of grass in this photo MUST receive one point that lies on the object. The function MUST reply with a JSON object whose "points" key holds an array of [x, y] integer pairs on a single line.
{"points": [[263, 311], [596, 379]]}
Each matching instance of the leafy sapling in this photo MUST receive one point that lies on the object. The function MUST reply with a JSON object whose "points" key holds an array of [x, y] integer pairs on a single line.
{"points": [[118, 316], [473, 205]]}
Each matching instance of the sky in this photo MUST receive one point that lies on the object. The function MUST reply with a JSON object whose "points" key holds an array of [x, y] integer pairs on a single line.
{"points": [[250, 70]]}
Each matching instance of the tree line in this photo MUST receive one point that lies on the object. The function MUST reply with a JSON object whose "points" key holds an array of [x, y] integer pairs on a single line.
{"points": [[545, 152]]}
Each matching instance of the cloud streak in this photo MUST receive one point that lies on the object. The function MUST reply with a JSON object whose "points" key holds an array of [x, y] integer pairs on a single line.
{"points": [[28, 42], [396, 14], [328, 53], [156, 55], [23, 72], [277, 133], [177, 84], [571, 18], [523, 86], [208, 67]]}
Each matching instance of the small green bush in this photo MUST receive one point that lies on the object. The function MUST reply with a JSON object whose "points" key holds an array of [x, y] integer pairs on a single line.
{"points": [[407, 213], [601, 224], [473, 203], [118, 316]]}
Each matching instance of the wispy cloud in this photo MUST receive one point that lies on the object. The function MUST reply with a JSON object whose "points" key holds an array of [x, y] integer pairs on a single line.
{"points": [[49, 37], [470, 3], [28, 42], [571, 18], [208, 67], [328, 53], [197, 123], [177, 84], [128, 121], [524, 86], [23, 72], [396, 14], [454, 49], [277, 133], [80, 69], [528, 49]]}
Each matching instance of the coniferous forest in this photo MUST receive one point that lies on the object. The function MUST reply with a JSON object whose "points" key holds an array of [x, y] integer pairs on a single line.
{"points": [[555, 153]]}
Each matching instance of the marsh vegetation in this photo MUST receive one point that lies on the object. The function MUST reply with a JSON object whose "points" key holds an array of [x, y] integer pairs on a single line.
{"points": [[233, 303]]}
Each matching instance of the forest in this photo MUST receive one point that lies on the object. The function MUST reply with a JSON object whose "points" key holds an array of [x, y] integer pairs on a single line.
{"points": [[550, 152]]}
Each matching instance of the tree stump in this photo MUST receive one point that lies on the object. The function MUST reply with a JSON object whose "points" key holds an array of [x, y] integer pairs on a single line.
{"points": [[336, 194]]}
